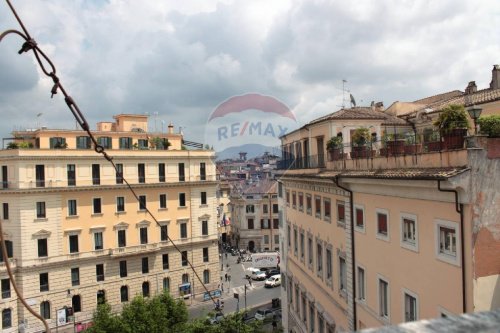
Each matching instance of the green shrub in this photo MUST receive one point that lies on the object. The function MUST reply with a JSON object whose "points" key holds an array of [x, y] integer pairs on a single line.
{"points": [[451, 117], [360, 137], [334, 142], [490, 125]]}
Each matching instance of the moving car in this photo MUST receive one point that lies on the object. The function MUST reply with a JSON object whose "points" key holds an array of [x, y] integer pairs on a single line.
{"points": [[250, 271], [216, 318], [273, 281], [272, 272], [259, 276], [264, 314]]}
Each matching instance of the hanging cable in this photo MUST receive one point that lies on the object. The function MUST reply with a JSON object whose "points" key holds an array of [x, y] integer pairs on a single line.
{"points": [[43, 60]]}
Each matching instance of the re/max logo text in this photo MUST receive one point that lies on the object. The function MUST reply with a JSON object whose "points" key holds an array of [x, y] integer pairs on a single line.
{"points": [[250, 128]]}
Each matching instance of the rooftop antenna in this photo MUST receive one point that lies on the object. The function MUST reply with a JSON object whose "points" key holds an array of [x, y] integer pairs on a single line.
{"points": [[344, 81]]}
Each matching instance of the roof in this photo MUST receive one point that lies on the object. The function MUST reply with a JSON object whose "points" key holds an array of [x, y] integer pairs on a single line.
{"points": [[260, 187], [439, 97], [360, 113]]}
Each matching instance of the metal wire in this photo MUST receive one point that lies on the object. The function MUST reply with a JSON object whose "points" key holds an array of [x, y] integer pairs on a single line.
{"points": [[41, 57]]}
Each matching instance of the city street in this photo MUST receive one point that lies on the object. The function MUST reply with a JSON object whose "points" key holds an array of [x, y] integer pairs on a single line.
{"points": [[256, 294]]}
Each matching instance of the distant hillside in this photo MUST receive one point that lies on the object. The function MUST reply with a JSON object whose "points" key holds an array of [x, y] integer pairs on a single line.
{"points": [[252, 150]]}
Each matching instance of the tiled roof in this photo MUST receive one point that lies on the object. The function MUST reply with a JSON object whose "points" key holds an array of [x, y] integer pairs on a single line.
{"points": [[361, 113], [439, 97], [260, 187]]}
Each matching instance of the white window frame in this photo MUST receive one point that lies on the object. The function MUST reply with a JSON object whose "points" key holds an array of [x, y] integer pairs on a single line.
{"points": [[76, 208], [417, 303], [93, 206], [358, 267], [405, 244], [116, 205], [448, 258], [355, 217], [383, 317], [94, 232], [387, 237]]}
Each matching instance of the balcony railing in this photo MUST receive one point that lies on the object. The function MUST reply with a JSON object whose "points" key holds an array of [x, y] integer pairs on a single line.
{"points": [[304, 162]]}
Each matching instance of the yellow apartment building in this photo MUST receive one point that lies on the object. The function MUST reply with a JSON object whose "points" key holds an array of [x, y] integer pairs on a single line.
{"points": [[390, 235], [77, 236]]}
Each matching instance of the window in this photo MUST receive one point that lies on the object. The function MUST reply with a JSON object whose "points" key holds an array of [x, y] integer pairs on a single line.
{"points": [[321, 323], [44, 281], [250, 223], [45, 309], [166, 284], [341, 212], [96, 174], [10, 250], [145, 289], [142, 202], [42, 248], [165, 261], [287, 194], [302, 246], [411, 308], [124, 294], [342, 275], [359, 218], [294, 200], [120, 204], [276, 223], [308, 204], [275, 209], [123, 268], [5, 177], [304, 308], [301, 201], [142, 143], [327, 209], [183, 227], [204, 228], [329, 268], [99, 272], [145, 265], [119, 173], [125, 143], [203, 171], [98, 241], [73, 243], [383, 295], [182, 176], [295, 242], [205, 254], [5, 288], [317, 206], [182, 199], [206, 276], [311, 317], [40, 175], [163, 201], [96, 204], [447, 241], [264, 224], [72, 208], [141, 173], [203, 198], [164, 233], [319, 258], [310, 252], [40, 210], [184, 258], [105, 142], [122, 238], [6, 318], [5, 207], [82, 142], [289, 237], [71, 174], [76, 303], [382, 224], [265, 209], [409, 233], [266, 239], [250, 209], [277, 239], [75, 276], [361, 284], [101, 297], [143, 235]]}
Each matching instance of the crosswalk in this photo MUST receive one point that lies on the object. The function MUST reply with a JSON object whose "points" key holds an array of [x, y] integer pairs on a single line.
{"points": [[241, 289]]}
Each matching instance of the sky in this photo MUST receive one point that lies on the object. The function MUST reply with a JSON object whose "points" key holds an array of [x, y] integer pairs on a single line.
{"points": [[178, 60]]}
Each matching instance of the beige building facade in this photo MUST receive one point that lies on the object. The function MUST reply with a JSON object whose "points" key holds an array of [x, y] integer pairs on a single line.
{"points": [[79, 236]]}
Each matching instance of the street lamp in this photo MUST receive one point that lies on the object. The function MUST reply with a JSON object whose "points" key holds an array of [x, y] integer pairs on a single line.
{"points": [[474, 113]]}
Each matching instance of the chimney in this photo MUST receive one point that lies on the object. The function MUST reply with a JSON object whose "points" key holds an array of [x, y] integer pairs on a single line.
{"points": [[379, 106], [471, 88], [495, 77], [170, 128]]}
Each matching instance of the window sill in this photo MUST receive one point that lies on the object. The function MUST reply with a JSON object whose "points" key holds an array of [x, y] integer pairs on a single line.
{"points": [[163, 209], [341, 224], [327, 219], [203, 206], [72, 217], [182, 207], [409, 246], [142, 211], [40, 219], [97, 214], [449, 259], [360, 229], [383, 237], [120, 213]]}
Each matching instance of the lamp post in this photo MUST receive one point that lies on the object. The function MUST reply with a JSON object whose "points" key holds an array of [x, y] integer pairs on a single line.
{"points": [[474, 113]]}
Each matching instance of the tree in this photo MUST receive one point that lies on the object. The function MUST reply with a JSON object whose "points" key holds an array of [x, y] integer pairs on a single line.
{"points": [[104, 321]]}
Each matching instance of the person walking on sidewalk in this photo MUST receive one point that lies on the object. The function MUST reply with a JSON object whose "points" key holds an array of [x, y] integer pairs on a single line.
{"points": [[225, 277]]}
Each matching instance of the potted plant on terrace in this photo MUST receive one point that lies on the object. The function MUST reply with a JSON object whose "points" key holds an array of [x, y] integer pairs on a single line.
{"points": [[412, 144], [394, 144], [453, 124], [335, 148], [360, 139]]}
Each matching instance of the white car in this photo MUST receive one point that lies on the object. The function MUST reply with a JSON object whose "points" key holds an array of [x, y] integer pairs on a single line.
{"points": [[273, 281], [259, 276], [264, 314], [250, 271]]}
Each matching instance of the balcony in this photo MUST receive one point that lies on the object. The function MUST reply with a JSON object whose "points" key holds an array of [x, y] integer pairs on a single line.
{"points": [[133, 250]]}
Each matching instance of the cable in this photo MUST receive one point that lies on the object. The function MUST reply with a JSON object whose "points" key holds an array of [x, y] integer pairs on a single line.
{"points": [[31, 45]]}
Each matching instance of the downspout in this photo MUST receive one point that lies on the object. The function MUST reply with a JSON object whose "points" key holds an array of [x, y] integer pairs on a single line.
{"points": [[460, 210], [353, 263]]}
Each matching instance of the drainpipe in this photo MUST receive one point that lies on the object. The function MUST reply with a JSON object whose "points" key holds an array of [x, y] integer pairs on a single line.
{"points": [[460, 210], [336, 180]]}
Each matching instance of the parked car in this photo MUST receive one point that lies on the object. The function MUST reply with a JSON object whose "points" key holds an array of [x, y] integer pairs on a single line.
{"points": [[273, 281], [259, 276], [264, 314], [250, 271], [216, 318], [272, 272]]}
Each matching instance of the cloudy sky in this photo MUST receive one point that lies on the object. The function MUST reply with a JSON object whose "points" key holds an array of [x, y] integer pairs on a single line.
{"points": [[180, 59]]}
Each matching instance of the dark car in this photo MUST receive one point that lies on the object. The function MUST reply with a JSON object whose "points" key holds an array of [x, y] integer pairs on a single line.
{"points": [[272, 272]]}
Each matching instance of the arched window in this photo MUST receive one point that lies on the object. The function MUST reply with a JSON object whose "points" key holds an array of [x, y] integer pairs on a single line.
{"points": [[166, 284], [45, 309], [185, 278], [124, 294], [101, 297], [76, 303], [145, 289], [206, 276], [6, 318]]}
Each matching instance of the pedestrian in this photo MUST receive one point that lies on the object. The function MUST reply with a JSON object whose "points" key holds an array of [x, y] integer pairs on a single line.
{"points": [[226, 255], [229, 278], [250, 281], [225, 277], [222, 286]]}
